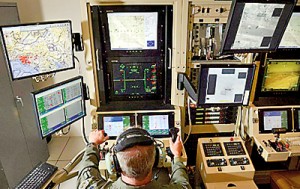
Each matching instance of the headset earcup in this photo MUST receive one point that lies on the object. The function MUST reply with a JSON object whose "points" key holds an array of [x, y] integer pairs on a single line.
{"points": [[116, 163], [110, 163]]}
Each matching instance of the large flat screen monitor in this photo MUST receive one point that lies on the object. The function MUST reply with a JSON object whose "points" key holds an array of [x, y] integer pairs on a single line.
{"points": [[157, 124], [225, 84], [38, 48], [115, 124], [59, 105], [133, 30], [256, 26], [274, 118], [278, 82]]}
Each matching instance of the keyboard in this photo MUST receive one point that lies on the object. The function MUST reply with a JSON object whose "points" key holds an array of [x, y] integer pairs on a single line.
{"points": [[37, 177]]}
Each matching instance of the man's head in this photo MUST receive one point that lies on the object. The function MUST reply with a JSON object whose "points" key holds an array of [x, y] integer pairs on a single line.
{"points": [[135, 151]]}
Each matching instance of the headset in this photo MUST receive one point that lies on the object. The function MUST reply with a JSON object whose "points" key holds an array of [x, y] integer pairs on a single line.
{"points": [[129, 138]]}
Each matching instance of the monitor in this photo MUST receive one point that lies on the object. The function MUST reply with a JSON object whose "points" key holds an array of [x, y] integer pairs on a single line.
{"points": [[297, 119], [278, 82], [38, 48], [115, 124], [135, 79], [281, 75], [274, 118], [59, 105], [225, 84], [157, 124], [132, 30], [256, 26], [133, 48], [290, 39]]}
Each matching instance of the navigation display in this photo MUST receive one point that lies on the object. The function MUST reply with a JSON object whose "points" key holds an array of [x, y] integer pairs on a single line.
{"points": [[134, 79], [133, 30], [59, 105], [38, 48], [281, 75]]}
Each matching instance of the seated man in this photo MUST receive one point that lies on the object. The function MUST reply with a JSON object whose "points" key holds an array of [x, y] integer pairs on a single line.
{"points": [[135, 153]]}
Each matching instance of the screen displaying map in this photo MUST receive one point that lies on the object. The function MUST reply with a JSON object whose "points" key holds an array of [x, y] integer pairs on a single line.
{"points": [[39, 48], [133, 31], [257, 34]]}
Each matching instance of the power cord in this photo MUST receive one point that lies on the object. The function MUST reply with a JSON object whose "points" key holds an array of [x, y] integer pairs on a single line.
{"points": [[189, 116]]}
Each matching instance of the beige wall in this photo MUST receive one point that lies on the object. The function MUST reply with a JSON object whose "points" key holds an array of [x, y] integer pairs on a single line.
{"points": [[51, 10]]}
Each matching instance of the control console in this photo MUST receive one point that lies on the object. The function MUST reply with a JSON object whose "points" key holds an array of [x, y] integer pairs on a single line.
{"points": [[223, 159], [273, 149]]}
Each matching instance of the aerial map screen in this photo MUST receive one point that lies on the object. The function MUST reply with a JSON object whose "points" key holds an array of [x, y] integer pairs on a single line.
{"points": [[39, 48], [258, 34], [283, 75], [133, 30]]}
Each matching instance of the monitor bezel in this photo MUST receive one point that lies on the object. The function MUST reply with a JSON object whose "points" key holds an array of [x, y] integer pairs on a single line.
{"points": [[35, 106], [101, 121], [261, 119], [296, 119], [132, 9], [171, 119], [202, 83], [234, 20], [37, 24]]}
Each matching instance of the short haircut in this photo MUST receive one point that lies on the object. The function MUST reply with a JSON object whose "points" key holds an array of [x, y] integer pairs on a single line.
{"points": [[137, 161]]}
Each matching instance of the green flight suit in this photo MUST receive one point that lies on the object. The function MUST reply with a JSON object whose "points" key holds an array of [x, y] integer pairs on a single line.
{"points": [[89, 176]]}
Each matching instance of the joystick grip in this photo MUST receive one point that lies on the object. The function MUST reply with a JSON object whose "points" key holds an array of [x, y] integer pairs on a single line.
{"points": [[173, 132]]}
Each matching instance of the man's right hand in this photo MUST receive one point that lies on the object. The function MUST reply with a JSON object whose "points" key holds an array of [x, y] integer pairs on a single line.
{"points": [[98, 137], [176, 147]]}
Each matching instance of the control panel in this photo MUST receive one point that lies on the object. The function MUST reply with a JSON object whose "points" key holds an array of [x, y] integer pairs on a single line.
{"points": [[234, 148], [223, 159], [216, 162], [278, 146], [239, 161], [272, 149], [212, 149]]}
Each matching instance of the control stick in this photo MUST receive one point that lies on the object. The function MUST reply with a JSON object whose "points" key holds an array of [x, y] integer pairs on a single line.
{"points": [[173, 132]]}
